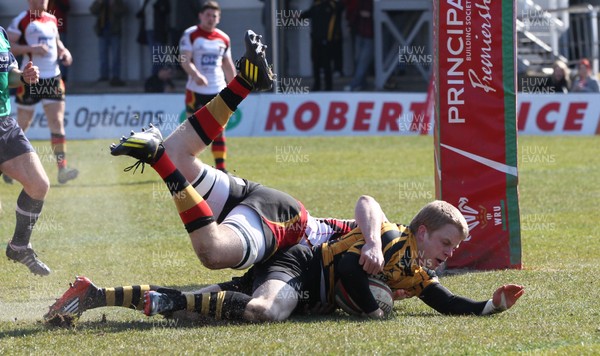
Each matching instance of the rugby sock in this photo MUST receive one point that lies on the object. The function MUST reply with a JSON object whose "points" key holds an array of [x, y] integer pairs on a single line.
{"points": [[193, 209], [28, 211], [210, 120], [218, 305], [127, 296], [219, 151], [59, 147]]}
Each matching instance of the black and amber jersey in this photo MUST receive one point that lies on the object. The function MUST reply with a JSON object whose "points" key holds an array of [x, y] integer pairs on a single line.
{"points": [[400, 271]]}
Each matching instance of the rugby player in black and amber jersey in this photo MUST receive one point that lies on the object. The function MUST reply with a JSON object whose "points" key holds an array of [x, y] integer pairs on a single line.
{"points": [[411, 255]]}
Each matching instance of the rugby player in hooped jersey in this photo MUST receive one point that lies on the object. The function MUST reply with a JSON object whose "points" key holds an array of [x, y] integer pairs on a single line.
{"points": [[34, 34], [206, 58]]}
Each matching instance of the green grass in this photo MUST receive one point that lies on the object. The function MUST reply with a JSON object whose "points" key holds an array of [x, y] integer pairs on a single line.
{"points": [[122, 229]]}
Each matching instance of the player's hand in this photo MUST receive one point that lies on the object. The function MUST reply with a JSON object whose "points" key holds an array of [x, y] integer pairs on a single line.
{"points": [[65, 58], [371, 258], [506, 296], [200, 79], [401, 294], [31, 73], [40, 49]]}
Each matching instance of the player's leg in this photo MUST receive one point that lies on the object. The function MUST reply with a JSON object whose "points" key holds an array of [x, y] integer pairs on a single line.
{"points": [[219, 151], [83, 295], [204, 126], [21, 162], [201, 129], [277, 286], [216, 246], [25, 116], [55, 113]]}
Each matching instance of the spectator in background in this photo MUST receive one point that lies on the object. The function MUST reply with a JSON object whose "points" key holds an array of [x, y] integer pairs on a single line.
{"points": [[585, 81], [34, 35], [337, 46], [205, 54], [160, 82], [60, 9], [323, 15], [108, 27], [362, 25], [560, 81], [154, 18]]}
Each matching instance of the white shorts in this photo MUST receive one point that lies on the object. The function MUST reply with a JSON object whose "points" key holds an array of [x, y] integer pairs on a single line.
{"points": [[213, 185]]}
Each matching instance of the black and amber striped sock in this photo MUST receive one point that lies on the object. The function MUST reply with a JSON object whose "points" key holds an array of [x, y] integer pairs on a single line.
{"points": [[210, 120], [193, 209], [219, 305], [219, 151], [59, 148], [131, 297]]}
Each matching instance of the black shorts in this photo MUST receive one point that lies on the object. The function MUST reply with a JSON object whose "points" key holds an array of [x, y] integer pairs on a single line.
{"points": [[13, 142], [288, 265], [49, 89], [283, 217], [194, 101]]}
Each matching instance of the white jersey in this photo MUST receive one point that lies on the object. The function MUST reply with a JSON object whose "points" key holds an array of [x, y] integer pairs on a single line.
{"points": [[36, 28], [208, 50]]}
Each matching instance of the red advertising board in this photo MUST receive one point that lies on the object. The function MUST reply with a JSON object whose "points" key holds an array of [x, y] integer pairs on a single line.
{"points": [[475, 133]]}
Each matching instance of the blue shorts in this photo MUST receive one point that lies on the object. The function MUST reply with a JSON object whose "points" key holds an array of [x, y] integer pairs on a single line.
{"points": [[13, 142]]}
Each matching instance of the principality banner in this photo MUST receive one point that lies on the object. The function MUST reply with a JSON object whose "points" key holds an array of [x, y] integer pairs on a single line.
{"points": [[475, 128]]}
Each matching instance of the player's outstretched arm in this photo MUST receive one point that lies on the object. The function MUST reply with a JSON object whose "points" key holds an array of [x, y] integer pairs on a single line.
{"points": [[442, 300]]}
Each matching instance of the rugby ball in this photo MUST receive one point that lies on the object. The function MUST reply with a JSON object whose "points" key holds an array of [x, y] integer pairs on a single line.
{"points": [[381, 292]]}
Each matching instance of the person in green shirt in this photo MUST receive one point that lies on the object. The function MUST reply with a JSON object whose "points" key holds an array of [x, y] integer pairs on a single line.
{"points": [[19, 160]]}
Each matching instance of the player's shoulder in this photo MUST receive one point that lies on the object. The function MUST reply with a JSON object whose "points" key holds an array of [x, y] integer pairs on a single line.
{"points": [[17, 21], [190, 29], [222, 34]]}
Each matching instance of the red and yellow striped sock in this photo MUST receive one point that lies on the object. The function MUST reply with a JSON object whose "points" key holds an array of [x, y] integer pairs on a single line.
{"points": [[210, 120], [59, 148], [193, 209], [219, 151]]}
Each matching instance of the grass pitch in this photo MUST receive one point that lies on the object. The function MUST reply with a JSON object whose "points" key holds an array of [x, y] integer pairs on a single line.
{"points": [[122, 229]]}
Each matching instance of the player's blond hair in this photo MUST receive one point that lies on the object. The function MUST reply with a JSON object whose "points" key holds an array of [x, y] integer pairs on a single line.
{"points": [[437, 214]]}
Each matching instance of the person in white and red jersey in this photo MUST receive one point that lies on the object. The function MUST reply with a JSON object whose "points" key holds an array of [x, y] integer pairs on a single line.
{"points": [[206, 58], [34, 34]]}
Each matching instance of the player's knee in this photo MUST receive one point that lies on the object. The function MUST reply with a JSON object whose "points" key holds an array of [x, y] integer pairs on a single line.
{"points": [[208, 252], [37, 188], [274, 312]]}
